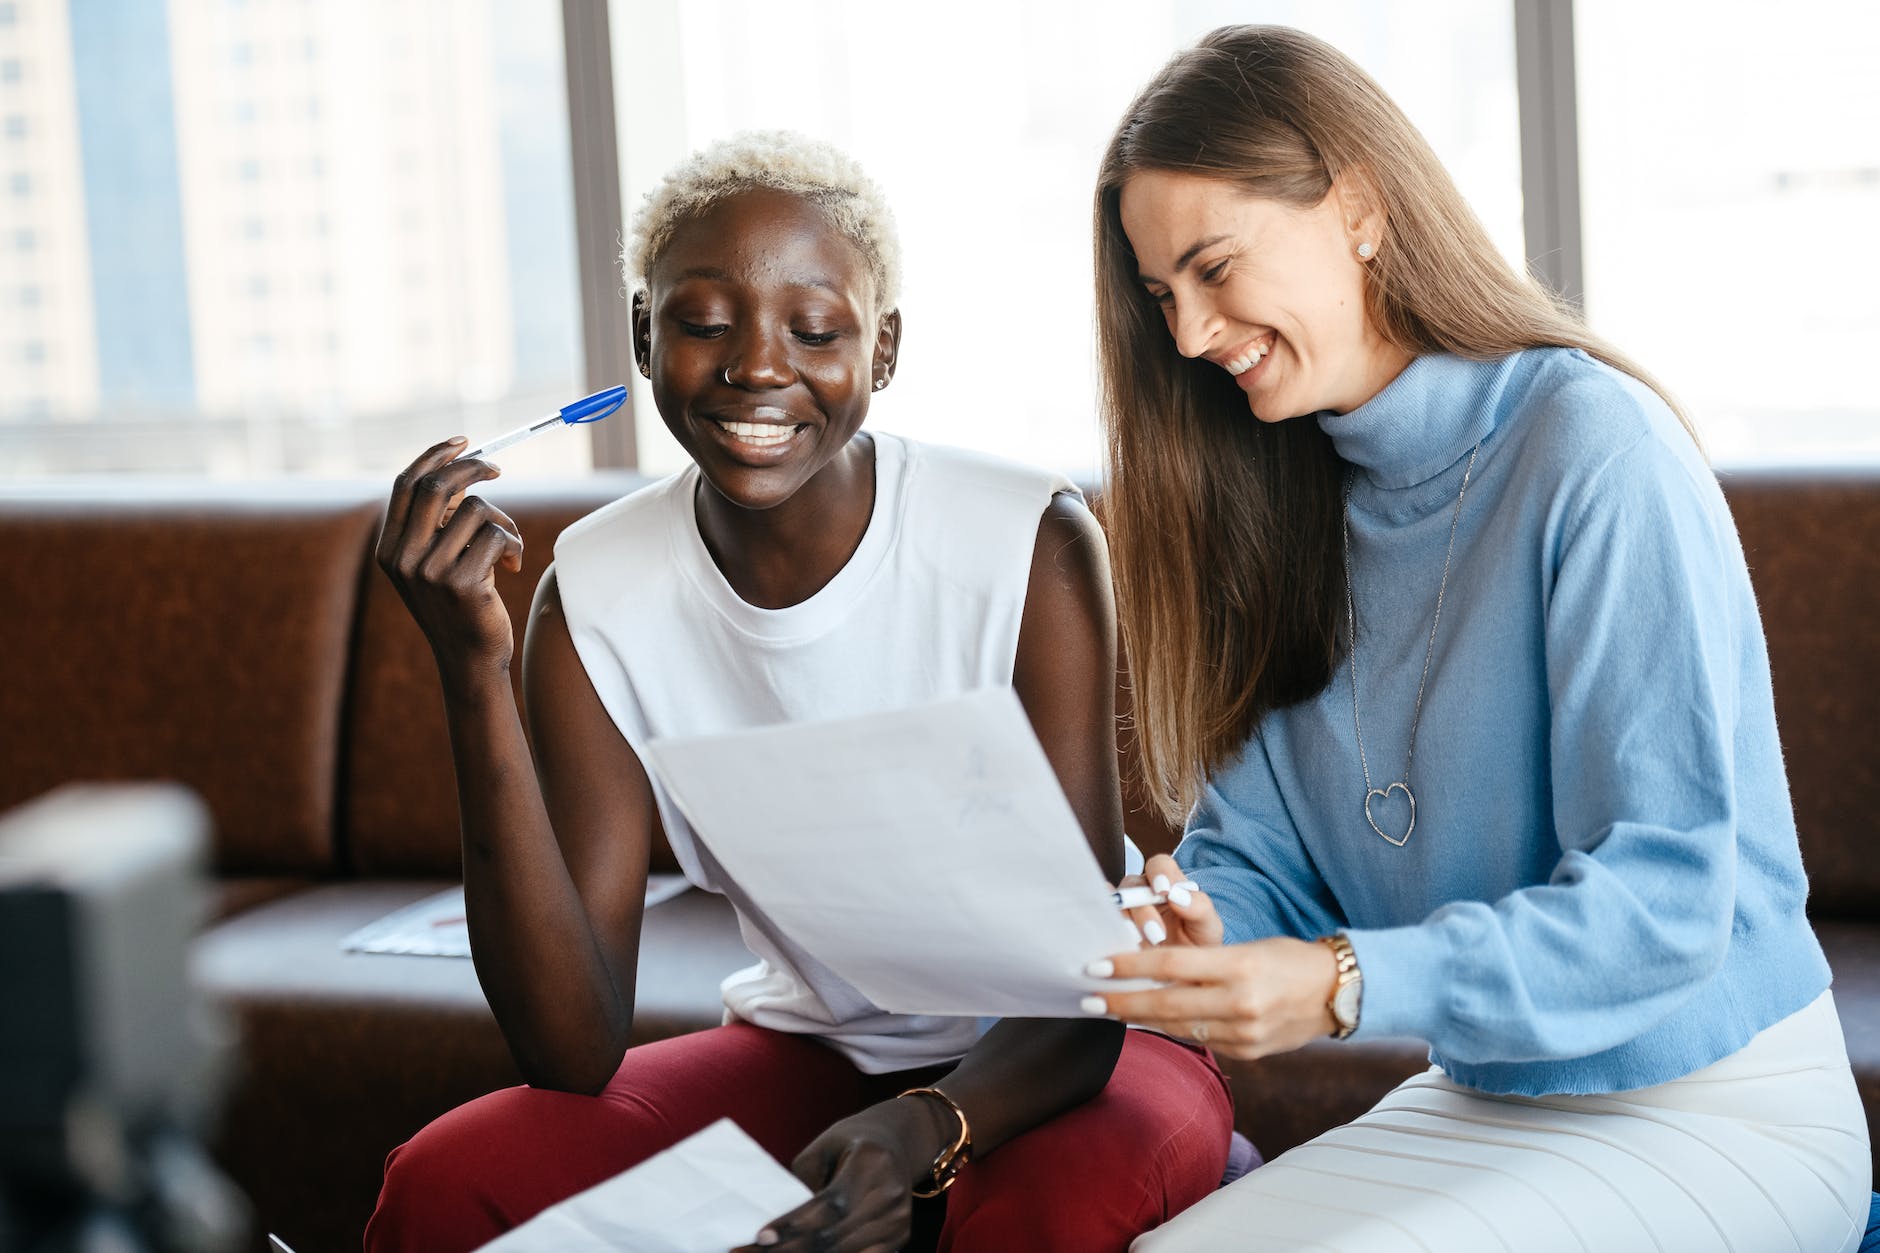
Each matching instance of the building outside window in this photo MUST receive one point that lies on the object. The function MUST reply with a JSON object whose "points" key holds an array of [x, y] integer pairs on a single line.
{"points": [[279, 237], [229, 211], [1730, 183]]}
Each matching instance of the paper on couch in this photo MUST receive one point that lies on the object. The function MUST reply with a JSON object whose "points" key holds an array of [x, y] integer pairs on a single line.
{"points": [[926, 855], [708, 1193], [435, 926]]}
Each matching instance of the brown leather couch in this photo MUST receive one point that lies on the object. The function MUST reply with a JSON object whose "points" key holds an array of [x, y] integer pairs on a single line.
{"points": [[241, 640]]}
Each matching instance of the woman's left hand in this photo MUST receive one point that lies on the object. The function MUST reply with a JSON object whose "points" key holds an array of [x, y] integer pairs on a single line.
{"points": [[1241, 1000], [862, 1171]]}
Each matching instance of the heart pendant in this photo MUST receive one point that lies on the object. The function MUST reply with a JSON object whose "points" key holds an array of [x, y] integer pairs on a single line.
{"points": [[1385, 792]]}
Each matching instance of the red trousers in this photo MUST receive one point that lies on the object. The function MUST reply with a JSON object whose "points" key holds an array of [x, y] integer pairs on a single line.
{"points": [[1089, 1181]]}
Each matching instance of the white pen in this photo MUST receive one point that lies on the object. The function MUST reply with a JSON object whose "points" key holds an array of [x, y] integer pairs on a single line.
{"points": [[1137, 897]]}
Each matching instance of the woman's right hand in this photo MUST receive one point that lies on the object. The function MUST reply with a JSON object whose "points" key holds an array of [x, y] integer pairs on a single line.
{"points": [[441, 548], [1188, 919]]}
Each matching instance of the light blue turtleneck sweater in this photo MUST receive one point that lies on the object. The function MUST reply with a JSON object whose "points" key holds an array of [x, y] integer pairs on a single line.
{"points": [[1603, 889]]}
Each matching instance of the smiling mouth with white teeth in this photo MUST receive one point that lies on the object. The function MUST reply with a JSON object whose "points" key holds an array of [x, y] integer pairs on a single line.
{"points": [[1249, 357], [759, 434]]}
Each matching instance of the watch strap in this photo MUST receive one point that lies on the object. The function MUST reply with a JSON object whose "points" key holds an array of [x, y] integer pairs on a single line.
{"points": [[1348, 974]]}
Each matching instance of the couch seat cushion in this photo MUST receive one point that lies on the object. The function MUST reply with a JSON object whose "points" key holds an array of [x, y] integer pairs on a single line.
{"points": [[346, 1055], [1284, 1100], [1853, 950]]}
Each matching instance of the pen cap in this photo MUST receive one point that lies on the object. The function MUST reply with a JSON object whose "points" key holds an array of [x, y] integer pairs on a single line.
{"points": [[594, 408]]}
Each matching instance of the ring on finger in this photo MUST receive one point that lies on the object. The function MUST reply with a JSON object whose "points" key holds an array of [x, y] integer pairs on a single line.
{"points": [[1199, 1031]]}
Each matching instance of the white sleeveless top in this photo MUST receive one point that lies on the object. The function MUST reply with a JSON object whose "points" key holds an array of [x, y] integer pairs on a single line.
{"points": [[928, 607]]}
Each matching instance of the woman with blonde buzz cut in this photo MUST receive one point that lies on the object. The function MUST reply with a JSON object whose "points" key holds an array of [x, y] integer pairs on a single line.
{"points": [[1445, 649], [800, 569]]}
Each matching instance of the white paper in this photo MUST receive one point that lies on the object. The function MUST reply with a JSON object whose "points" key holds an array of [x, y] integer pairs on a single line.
{"points": [[435, 926], [927, 855], [708, 1193]]}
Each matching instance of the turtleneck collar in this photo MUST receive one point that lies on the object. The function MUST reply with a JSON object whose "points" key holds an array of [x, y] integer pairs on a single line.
{"points": [[1424, 421]]}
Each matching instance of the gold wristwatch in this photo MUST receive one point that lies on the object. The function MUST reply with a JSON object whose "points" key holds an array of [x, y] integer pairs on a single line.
{"points": [[1348, 993]]}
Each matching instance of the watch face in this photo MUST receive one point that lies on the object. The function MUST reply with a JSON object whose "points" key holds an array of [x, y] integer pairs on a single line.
{"points": [[1345, 1003]]}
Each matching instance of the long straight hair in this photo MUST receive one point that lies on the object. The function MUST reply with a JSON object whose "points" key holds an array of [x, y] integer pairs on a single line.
{"points": [[1224, 530]]}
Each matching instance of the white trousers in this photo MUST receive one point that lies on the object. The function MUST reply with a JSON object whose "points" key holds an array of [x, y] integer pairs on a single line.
{"points": [[1764, 1152]]}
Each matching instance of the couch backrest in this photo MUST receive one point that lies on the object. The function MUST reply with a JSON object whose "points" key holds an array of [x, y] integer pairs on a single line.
{"points": [[1813, 544], [243, 643], [201, 637]]}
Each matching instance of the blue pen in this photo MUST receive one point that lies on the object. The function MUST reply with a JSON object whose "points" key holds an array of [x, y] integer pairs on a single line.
{"points": [[587, 409]]}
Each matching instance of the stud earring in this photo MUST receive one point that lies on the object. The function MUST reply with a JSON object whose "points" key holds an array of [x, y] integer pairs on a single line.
{"points": [[1365, 250], [646, 370], [880, 383]]}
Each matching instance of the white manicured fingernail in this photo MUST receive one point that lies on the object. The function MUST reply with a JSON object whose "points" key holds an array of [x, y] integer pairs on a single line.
{"points": [[1189, 885], [767, 1236], [1160, 883], [1102, 968], [1180, 895], [1154, 931], [1094, 1005]]}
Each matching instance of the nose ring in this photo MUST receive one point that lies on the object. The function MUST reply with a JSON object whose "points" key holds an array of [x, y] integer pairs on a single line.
{"points": [[725, 374]]}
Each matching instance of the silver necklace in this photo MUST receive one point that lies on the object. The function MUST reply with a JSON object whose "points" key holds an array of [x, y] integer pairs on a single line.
{"points": [[1416, 717]]}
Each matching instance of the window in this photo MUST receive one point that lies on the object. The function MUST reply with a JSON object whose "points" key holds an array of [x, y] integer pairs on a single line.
{"points": [[235, 202], [985, 125], [402, 174], [1730, 178]]}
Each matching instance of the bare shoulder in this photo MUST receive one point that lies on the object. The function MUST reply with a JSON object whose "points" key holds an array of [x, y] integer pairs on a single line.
{"points": [[550, 664], [547, 595], [1070, 607], [1071, 551], [548, 622]]}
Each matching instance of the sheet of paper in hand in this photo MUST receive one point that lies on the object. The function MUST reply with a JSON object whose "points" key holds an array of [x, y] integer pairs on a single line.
{"points": [[708, 1193], [926, 855]]}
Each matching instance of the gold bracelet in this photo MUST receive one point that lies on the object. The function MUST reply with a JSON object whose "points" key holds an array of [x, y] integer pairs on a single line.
{"points": [[946, 1167]]}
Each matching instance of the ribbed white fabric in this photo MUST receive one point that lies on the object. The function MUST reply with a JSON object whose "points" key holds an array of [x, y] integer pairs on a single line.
{"points": [[928, 607], [1763, 1152]]}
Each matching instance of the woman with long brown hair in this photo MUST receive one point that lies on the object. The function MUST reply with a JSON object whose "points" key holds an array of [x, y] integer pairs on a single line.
{"points": [[1444, 645]]}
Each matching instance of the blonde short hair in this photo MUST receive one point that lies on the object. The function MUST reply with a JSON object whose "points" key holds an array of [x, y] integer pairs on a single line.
{"points": [[782, 161]]}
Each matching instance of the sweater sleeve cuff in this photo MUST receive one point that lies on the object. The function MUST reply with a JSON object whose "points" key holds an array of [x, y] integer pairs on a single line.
{"points": [[1406, 982]]}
